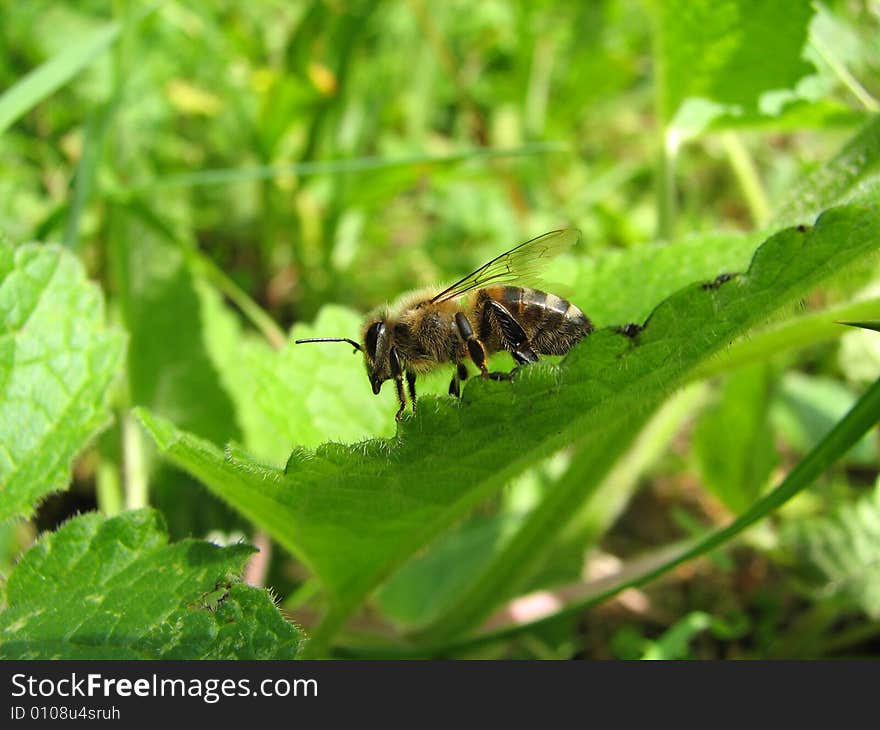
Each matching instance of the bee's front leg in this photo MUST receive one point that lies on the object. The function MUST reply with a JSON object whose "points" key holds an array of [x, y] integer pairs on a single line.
{"points": [[474, 346], [411, 387], [401, 397], [397, 374]]}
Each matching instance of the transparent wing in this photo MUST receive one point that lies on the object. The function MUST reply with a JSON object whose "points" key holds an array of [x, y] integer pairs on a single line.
{"points": [[520, 265]]}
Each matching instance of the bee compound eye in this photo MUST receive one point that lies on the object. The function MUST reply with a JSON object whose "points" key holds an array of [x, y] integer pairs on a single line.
{"points": [[374, 332]]}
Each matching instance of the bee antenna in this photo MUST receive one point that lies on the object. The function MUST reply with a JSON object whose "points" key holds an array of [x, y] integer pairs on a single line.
{"points": [[355, 345]]}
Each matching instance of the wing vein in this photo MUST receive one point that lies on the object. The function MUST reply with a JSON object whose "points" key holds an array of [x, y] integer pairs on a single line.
{"points": [[518, 265]]}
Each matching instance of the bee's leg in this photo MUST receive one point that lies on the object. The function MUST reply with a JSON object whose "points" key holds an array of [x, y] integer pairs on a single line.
{"points": [[496, 375], [461, 374], [411, 387], [397, 373], [398, 381], [474, 346], [512, 334]]}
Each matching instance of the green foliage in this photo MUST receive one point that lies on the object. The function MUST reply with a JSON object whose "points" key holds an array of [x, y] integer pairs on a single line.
{"points": [[733, 442], [864, 415], [115, 589], [673, 643], [354, 513], [839, 555], [728, 54], [57, 71], [849, 175], [807, 406], [58, 360], [235, 176], [169, 368]]}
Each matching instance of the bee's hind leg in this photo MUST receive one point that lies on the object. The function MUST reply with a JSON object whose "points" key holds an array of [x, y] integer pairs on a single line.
{"points": [[514, 337]]}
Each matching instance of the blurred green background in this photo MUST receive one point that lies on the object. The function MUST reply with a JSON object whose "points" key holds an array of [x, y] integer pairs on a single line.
{"points": [[227, 169]]}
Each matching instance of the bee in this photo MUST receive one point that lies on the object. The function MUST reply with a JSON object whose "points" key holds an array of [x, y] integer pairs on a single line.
{"points": [[489, 310]]}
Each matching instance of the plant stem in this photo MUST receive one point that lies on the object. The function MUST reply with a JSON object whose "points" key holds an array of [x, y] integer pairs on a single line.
{"points": [[108, 488], [747, 175], [666, 194], [846, 78], [136, 490], [253, 311]]}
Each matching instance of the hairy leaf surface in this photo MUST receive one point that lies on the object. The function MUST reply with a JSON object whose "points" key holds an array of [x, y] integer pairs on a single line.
{"points": [[57, 361], [115, 589]]}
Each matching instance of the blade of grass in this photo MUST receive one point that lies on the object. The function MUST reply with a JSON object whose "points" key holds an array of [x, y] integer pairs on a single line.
{"points": [[53, 74], [333, 167], [874, 324], [96, 130]]}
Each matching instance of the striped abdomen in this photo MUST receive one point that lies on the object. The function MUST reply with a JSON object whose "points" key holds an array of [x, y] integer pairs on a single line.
{"points": [[552, 324]]}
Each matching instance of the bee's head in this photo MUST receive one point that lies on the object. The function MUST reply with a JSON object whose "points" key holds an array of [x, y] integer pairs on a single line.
{"points": [[380, 356]]}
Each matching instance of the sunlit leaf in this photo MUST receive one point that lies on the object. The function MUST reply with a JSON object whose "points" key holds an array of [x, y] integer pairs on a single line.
{"points": [[58, 360], [727, 53], [115, 589]]}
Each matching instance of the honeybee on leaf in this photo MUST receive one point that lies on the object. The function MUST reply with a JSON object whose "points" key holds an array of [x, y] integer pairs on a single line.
{"points": [[489, 310]]}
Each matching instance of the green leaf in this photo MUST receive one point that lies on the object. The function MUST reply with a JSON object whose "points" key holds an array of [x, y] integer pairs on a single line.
{"points": [[115, 589], [170, 368], [840, 554], [54, 73], [618, 287], [733, 442], [806, 406], [728, 52], [57, 362], [847, 176], [674, 643], [354, 513], [293, 396]]}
